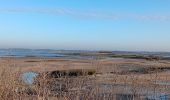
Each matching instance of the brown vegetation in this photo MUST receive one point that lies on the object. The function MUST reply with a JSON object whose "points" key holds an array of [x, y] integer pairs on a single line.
{"points": [[128, 79]]}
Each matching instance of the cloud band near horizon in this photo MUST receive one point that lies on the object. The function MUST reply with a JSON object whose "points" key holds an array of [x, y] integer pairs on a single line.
{"points": [[89, 14]]}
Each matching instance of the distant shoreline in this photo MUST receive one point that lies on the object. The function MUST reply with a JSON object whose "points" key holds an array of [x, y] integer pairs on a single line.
{"points": [[81, 54]]}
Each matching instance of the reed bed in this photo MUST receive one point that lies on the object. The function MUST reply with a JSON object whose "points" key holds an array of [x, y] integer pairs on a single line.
{"points": [[100, 83]]}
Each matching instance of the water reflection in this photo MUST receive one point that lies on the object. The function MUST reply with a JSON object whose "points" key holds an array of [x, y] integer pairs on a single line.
{"points": [[117, 91], [28, 77], [125, 92]]}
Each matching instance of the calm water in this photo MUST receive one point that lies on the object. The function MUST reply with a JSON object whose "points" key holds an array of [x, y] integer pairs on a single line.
{"points": [[29, 77], [48, 53]]}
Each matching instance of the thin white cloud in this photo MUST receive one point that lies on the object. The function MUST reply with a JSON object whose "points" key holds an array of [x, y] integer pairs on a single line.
{"points": [[89, 14]]}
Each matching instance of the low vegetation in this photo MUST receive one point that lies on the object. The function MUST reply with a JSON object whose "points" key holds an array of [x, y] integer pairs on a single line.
{"points": [[86, 84], [112, 55]]}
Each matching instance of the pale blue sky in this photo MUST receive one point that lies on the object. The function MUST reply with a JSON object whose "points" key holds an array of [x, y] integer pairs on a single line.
{"points": [[142, 25]]}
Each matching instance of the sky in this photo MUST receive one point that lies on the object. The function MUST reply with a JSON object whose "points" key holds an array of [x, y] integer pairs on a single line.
{"points": [[128, 25]]}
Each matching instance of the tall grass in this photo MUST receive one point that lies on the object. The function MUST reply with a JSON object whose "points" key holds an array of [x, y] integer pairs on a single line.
{"points": [[104, 84], [8, 82]]}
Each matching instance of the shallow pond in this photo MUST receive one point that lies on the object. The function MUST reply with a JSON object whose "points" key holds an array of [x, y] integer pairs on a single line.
{"points": [[29, 77]]}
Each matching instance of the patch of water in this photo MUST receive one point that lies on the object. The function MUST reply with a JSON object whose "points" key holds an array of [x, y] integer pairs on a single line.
{"points": [[125, 92], [158, 96], [29, 77], [162, 83]]}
